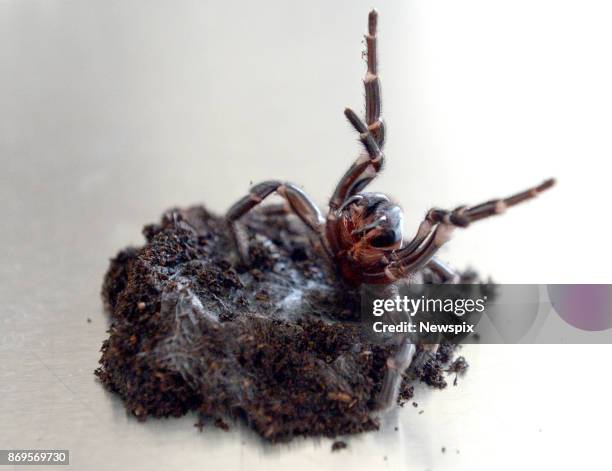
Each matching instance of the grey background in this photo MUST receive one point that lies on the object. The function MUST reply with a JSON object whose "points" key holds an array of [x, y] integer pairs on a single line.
{"points": [[112, 111]]}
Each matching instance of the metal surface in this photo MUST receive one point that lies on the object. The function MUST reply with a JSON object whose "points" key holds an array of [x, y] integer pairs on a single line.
{"points": [[113, 111]]}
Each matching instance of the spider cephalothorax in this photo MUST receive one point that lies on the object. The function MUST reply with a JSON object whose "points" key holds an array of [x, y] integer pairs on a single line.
{"points": [[362, 233], [367, 226]]}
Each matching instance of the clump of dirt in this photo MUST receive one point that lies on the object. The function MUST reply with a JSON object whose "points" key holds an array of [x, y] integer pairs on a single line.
{"points": [[273, 344], [339, 445]]}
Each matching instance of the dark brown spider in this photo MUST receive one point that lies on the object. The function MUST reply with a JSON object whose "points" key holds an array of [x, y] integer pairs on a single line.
{"points": [[362, 234]]}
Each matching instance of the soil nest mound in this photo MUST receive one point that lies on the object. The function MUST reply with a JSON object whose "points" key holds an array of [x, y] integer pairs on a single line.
{"points": [[271, 344]]}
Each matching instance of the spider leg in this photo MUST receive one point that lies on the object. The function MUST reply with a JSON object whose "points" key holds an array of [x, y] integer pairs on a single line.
{"points": [[396, 365], [371, 82], [436, 230], [446, 274], [463, 216], [296, 199], [364, 169], [356, 178], [280, 209], [371, 134]]}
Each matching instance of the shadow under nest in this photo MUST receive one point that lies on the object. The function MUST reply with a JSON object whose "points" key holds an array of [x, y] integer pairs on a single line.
{"points": [[276, 345]]}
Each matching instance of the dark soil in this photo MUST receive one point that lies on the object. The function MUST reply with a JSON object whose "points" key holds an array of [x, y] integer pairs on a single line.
{"points": [[275, 345], [339, 445]]}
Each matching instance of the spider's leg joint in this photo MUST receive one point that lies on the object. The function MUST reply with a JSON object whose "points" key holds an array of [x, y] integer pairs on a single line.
{"points": [[375, 125], [443, 234], [370, 77], [500, 206]]}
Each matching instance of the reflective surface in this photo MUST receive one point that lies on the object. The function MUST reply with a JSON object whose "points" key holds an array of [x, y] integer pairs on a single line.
{"points": [[112, 112]]}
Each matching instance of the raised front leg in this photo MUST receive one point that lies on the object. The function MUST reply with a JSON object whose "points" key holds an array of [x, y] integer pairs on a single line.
{"points": [[363, 170], [371, 134], [371, 83]]}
